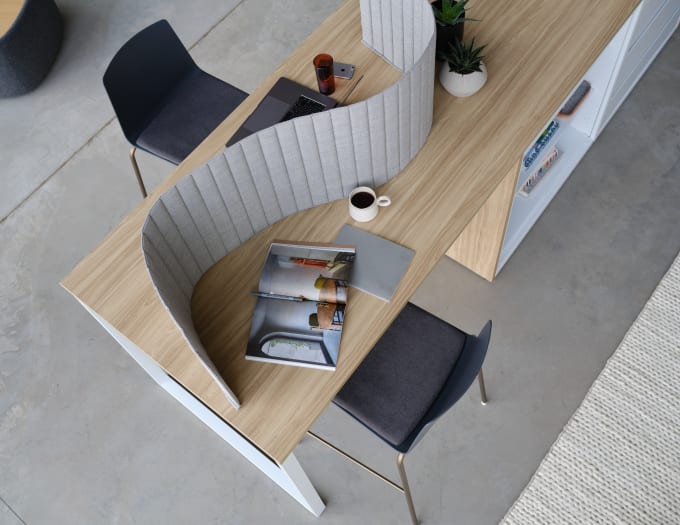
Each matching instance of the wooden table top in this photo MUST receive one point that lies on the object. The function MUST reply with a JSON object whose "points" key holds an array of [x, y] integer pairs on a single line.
{"points": [[536, 52], [9, 9]]}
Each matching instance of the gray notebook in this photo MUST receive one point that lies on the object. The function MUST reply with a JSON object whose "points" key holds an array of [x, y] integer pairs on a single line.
{"points": [[379, 265]]}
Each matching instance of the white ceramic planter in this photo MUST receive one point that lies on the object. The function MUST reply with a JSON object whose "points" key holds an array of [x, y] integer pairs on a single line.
{"points": [[462, 85]]}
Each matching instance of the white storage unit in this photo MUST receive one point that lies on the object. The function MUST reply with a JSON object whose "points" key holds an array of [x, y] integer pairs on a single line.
{"points": [[612, 76]]}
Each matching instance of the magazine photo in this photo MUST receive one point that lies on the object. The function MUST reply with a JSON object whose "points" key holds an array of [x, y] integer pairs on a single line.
{"points": [[300, 310]]}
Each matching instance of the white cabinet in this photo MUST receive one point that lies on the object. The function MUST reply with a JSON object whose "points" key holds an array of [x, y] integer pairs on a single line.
{"points": [[612, 76]]}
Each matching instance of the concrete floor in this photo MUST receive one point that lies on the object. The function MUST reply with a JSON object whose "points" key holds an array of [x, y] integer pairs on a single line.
{"points": [[87, 437]]}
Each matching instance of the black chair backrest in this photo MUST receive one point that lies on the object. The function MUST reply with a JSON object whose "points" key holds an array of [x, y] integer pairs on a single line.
{"points": [[143, 73], [464, 373]]}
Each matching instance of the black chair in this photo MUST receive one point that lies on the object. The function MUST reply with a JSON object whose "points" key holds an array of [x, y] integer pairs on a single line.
{"points": [[418, 369], [165, 103]]}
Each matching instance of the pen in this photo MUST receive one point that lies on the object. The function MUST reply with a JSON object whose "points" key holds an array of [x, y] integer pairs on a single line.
{"points": [[277, 296]]}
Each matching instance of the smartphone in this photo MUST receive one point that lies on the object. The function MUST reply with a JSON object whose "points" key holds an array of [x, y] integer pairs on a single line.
{"points": [[341, 70]]}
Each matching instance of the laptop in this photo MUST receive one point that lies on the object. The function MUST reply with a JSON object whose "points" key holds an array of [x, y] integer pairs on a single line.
{"points": [[285, 100]]}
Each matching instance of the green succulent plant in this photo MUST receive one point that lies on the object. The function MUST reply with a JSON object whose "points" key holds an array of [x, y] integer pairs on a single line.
{"points": [[463, 59], [451, 13]]}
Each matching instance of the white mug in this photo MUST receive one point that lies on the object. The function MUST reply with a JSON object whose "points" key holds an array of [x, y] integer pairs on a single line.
{"points": [[363, 203]]}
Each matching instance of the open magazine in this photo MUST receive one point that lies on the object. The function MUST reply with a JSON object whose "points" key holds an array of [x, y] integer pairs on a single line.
{"points": [[301, 303]]}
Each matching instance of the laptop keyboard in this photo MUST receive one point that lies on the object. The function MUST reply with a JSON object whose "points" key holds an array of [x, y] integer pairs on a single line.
{"points": [[303, 106]]}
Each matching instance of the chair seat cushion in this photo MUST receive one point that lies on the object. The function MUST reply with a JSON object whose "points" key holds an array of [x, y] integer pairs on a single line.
{"points": [[400, 379], [198, 105]]}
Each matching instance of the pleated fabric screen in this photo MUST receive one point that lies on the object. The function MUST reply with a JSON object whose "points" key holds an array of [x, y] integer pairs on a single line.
{"points": [[294, 165]]}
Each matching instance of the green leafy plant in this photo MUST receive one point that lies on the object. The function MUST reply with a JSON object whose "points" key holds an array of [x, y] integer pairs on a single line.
{"points": [[463, 59], [451, 13]]}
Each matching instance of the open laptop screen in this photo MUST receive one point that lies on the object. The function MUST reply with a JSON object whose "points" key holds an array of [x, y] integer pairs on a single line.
{"points": [[285, 100]]}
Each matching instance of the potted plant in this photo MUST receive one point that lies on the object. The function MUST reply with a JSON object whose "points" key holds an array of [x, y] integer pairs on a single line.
{"points": [[463, 73], [450, 18]]}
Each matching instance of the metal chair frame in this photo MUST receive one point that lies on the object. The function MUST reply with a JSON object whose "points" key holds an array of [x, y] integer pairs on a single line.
{"points": [[404, 487]]}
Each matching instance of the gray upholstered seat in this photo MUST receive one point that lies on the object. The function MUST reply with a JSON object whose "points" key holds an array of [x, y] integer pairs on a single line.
{"points": [[191, 113], [417, 370], [401, 377]]}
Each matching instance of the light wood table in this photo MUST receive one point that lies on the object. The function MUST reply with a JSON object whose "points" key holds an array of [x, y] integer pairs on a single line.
{"points": [[9, 9], [537, 52]]}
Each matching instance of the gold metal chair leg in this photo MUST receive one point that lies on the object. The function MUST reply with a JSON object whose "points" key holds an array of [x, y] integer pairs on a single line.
{"points": [[355, 461], [135, 167], [406, 488], [482, 388]]}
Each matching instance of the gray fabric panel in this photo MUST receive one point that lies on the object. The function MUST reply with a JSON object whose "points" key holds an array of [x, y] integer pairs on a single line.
{"points": [[175, 242], [376, 42], [309, 150], [404, 114], [328, 153], [296, 169], [409, 8], [276, 166], [187, 327], [205, 182], [231, 196], [295, 165], [366, 23], [387, 30], [205, 218], [426, 75], [347, 162], [179, 308], [392, 129], [261, 177], [361, 138], [377, 129], [245, 184], [415, 111], [167, 273], [397, 35], [182, 218], [419, 29]]}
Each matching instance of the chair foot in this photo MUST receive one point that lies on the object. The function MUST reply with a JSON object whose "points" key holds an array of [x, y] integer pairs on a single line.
{"points": [[406, 488], [135, 167], [482, 388]]}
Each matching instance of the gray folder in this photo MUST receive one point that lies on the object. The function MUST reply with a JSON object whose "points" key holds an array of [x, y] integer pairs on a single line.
{"points": [[379, 265]]}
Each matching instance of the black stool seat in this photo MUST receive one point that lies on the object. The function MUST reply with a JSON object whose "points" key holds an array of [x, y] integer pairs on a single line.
{"points": [[403, 375], [29, 47]]}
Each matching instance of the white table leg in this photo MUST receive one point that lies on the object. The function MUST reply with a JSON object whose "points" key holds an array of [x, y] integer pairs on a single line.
{"points": [[289, 476]]}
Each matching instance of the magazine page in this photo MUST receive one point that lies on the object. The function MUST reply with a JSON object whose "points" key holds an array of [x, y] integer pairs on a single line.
{"points": [[312, 272], [300, 310]]}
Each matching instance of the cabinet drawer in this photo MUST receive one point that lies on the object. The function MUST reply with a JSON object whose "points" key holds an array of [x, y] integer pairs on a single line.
{"points": [[626, 81], [648, 10], [662, 24]]}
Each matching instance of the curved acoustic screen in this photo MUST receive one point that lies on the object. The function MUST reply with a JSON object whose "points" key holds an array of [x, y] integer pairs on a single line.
{"points": [[294, 165]]}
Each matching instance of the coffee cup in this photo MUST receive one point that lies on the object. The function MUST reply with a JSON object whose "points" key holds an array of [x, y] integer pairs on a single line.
{"points": [[363, 203]]}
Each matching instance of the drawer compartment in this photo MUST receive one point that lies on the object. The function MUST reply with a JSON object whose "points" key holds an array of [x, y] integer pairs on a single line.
{"points": [[648, 10], [626, 80], [663, 23]]}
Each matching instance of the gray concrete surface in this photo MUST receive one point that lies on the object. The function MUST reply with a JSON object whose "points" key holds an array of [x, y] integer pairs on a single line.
{"points": [[87, 437], [70, 106]]}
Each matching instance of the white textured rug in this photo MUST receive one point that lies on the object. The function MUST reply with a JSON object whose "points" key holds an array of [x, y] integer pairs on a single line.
{"points": [[618, 458]]}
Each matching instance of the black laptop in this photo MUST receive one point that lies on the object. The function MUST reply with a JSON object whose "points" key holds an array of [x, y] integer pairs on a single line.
{"points": [[285, 100]]}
